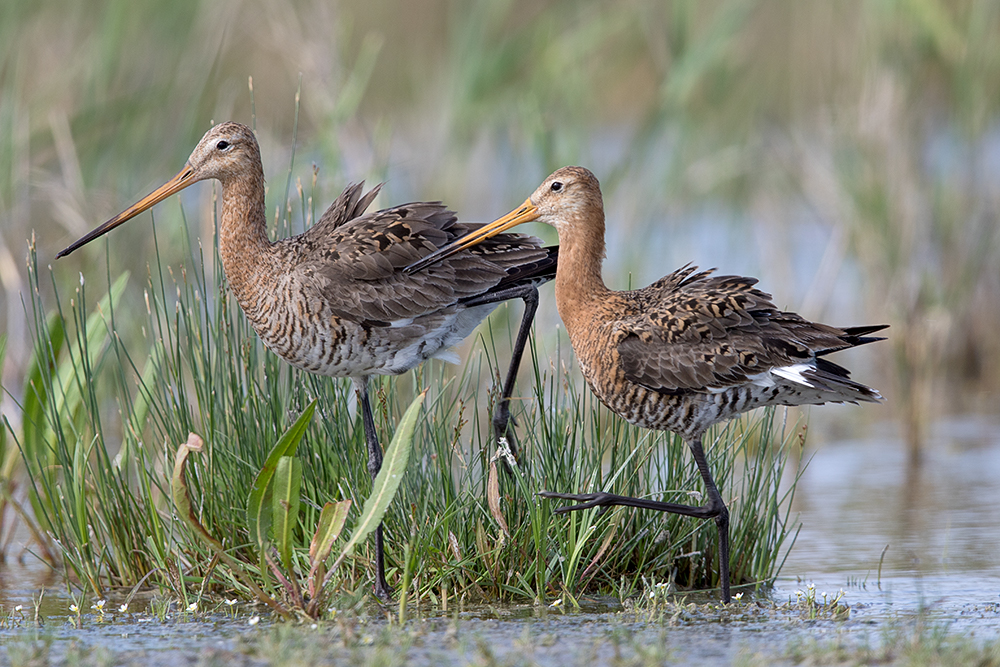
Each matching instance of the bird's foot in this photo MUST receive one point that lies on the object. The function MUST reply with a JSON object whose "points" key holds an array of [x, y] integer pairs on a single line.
{"points": [[382, 592]]}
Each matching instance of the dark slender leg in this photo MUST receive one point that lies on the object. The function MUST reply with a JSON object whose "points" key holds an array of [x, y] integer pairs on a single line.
{"points": [[715, 508], [721, 517], [382, 590], [501, 415]]}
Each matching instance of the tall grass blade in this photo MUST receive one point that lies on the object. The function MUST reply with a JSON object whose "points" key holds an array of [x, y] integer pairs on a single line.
{"points": [[141, 406], [7, 459]]}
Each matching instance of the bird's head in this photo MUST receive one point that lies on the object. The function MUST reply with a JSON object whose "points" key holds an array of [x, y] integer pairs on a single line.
{"points": [[569, 200], [227, 151]]}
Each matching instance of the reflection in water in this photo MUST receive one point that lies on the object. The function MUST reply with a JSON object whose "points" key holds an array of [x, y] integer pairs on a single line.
{"points": [[939, 518], [21, 583]]}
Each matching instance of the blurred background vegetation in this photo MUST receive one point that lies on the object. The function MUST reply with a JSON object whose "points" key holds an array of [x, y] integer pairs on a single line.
{"points": [[845, 153]]}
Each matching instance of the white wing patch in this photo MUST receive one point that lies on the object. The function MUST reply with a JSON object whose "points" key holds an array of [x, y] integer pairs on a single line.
{"points": [[794, 373], [764, 379]]}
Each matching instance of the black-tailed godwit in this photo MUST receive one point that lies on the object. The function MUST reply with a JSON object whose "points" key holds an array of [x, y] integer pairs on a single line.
{"points": [[690, 350]]}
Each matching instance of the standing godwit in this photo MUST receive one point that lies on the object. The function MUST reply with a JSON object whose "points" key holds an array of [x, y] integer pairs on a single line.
{"points": [[680, 355], [334, 300]]}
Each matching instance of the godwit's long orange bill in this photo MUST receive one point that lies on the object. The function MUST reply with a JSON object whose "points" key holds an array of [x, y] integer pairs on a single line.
{"points": [[174, 185], [526, 212]]}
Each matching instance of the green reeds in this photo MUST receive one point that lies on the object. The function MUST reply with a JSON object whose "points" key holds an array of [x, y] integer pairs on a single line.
{"points": [[102, 421]]}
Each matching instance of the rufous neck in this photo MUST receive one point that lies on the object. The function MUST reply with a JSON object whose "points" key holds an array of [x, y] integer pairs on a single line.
{"points": [[247, 254], [578, 276], [243, 228]]}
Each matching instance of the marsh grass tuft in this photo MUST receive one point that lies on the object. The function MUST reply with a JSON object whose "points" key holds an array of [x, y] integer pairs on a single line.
{"points": [[105, 407]]}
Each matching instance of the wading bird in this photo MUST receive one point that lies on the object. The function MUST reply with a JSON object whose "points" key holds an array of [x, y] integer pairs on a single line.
{"points": [[334, 300], [690, 350]]}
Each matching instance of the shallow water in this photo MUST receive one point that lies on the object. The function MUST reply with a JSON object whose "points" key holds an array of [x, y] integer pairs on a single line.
{"points": [[937, 523], [939, 520]]}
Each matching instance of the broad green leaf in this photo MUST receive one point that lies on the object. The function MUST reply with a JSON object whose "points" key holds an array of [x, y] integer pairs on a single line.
{"points": [[37, 380], [285, 505], [331, 523], [62, 383], [140, 407], [258, 502], [75, 372], [388, 479]]}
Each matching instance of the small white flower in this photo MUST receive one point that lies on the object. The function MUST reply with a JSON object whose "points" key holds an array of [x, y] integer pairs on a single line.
{"points": [[254, 620], [18, 608], [738, 596], [231, 602], [99, 606], [193, 606], [123, 608], [557, 603], [313, 626], [73, 608]]}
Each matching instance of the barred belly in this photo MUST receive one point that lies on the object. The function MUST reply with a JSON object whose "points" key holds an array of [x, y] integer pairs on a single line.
{"points": [[688, 414]]}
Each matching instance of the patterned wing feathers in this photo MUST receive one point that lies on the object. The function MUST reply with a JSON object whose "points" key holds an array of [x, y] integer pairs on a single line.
{"points": [[693, 331], [354, 264]]}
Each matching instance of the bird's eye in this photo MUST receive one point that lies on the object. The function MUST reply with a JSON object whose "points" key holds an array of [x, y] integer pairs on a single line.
{"points": [[222, 145], [557, 187]]}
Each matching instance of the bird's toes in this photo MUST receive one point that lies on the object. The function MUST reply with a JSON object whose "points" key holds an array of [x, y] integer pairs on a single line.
{"points": [[584, 500], [383, 593], [552, 495]]}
